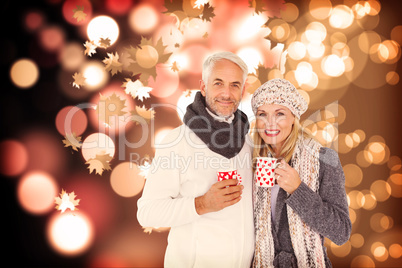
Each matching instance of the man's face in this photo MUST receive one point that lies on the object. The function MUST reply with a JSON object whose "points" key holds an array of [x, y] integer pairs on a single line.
{"points": [[224, 88]]}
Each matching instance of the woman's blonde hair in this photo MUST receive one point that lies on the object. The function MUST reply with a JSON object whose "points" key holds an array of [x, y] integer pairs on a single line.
{"points": [[261, 148]]}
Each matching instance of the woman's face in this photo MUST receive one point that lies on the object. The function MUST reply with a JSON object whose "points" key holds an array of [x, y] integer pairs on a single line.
{"points": [[274, 124]]}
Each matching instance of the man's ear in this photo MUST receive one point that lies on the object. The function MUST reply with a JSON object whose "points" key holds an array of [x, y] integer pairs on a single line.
{"points": [[203, 88]]}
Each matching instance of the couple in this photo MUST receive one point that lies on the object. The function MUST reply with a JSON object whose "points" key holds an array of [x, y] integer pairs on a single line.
{"points": [[213, 225]]}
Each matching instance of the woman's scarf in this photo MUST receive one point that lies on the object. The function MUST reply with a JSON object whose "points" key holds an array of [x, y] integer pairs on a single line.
{"points": [[220, 137], [307, 244]]}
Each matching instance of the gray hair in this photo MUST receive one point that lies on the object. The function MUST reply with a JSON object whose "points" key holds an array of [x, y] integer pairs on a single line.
{"points": [[225, 55]]}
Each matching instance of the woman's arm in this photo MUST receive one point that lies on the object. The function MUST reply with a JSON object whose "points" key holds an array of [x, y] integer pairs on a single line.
{"points": [[327, 211]]}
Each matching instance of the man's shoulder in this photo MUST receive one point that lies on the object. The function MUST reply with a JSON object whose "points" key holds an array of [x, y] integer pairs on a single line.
{"points": [[174, 137]]}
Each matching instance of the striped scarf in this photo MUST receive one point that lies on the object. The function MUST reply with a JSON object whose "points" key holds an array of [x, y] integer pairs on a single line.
{"points": [[306, 242]]}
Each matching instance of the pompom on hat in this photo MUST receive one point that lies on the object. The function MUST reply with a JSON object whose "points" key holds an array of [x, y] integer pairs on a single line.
{"points": [[282, 92]]}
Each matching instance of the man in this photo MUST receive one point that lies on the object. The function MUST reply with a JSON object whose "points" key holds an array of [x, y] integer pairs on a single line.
{"points": [[211, 222]]}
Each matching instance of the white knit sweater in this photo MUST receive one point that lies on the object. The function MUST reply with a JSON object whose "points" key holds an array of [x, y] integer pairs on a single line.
{"points": [[184, 168]]}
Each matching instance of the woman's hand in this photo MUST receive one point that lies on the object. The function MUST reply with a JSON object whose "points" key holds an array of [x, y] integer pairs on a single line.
{"points": [[287, 177]]}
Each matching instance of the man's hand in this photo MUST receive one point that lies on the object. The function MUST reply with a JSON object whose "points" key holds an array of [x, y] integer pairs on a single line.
{"points": [[219, 196]]}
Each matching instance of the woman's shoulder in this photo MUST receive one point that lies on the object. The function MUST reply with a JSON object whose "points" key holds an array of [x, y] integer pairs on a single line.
{"points": [[329, 156]]}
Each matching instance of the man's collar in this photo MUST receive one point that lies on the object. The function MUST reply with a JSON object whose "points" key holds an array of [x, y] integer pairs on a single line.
{"points": [[221, 118]]}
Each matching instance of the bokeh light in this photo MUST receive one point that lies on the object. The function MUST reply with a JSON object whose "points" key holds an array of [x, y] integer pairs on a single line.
{"points": [[97, 144], [69, 7], [24, 73], [34, 20], [36, 191], [103, 27], [320, 9], [341, 17], [71, 56], [13, 157], [111, 111], [118, 7], [70, 234], [95, 75], [143, 19], [71, 120], [52, 38], [126, 179], [166, 83]]}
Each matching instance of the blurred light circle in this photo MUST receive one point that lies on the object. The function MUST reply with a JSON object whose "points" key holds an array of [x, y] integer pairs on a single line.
{"points": [[71, 120], [353, 175], [290, 13], [333, 65], [70, 233], [250, 26], [394, 163], [297, 50], [147, 56], [341, 251], [395, 251], [95, 75], [97, 144], [71, 56], [34, 20], [143, 19], [370, 201], [303, 72], [103, 27], [320, 9], [118, 7], [45, 151], [362, 261], [381, 190], [396, 34], [126, 180], [373, 7], [52, 38], [24, 73], [379, 251], [377, 224], [195, 55], [172, 37], [341, 17], [165, 83], [252, 57], [36, 192], [68, 11], [356, 199], [315, 50], [315, 32], [392, 78], [357, 240], [104, 115], [13, 157]]}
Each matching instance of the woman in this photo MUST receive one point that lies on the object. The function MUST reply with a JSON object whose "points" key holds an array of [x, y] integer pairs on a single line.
{"points": [[309, 201]]}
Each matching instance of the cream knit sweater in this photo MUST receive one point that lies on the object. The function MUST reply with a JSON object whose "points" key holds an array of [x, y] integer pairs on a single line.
{"points": [[184, 168]]}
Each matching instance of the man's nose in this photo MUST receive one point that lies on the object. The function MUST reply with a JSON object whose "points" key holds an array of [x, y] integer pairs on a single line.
{"points": [[226, 91]]}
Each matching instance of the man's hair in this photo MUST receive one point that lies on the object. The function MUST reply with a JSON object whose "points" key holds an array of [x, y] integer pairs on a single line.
{"points": [[225, 55]]}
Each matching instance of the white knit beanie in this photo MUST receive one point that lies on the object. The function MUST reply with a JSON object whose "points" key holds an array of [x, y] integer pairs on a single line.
{"points": [[282, 92]]}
